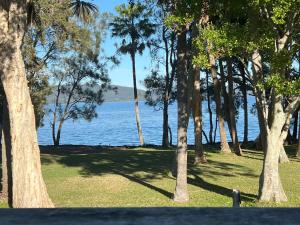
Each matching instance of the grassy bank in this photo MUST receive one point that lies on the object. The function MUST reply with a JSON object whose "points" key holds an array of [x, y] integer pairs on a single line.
{"points": [[140, 177]]}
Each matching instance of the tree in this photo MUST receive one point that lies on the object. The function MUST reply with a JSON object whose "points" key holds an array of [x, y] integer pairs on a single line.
{"points": [[208, 97], [195, 96], [207, 57], [275, 124], [232, 114], [134, 27], [181, 194], [83, 9], [244, 89], [298, 146], [80, 80], [160, 91], [26, 165]]}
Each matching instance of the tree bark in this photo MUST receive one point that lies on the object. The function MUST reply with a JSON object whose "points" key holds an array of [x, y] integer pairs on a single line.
{"points": [[217, 92], [272, 136], [197, 117], [211, 125], [298, 150], [4, 181], [4, 177], [28, 187], [245, 101], [232, 116], [136, 102], [224, 93], [270, 184], [181, 193], [295, 127], [283, 158], [165, 139]]}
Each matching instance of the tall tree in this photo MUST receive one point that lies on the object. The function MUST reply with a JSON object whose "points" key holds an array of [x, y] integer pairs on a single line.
{"points": [[208, 58], [160, 91], [232, 114], [134, 27], [275, 124], [181, 194], [244, 89], [197, 117], [208, 96], [79, 89], [29, 189]]}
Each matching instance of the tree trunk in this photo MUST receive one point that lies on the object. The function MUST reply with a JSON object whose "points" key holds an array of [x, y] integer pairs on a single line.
{"points": [[234, 136], [224, 93], [6, 157], [298, 151], [211, 125], [217, 92], [4, 181], [295, 127], [245, 102], [4, 177], [28, 187], [165, 139], [270, 187], [197, 117], [283, 158], [136, 102], [181, 193], [58, 134]]}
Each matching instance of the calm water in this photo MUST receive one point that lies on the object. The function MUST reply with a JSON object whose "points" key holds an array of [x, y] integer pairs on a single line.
{"points": [[115, 125]]}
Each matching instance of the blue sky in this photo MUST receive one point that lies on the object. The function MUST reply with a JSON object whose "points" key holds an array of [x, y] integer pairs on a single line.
{"points": [[122, 74]]}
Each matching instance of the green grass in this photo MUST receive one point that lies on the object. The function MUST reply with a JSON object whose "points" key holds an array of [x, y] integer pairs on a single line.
{"points": [[141, 178]]}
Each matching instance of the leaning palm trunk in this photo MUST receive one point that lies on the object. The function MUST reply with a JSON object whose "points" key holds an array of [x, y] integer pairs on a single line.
{"points": [[136, 102], [28, 187]]}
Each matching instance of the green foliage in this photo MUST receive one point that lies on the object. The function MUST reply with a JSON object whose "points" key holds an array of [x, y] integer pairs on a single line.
{"points": [[283, 86], [155, 90], [83, 10], [133, 26], [50, 29], [79, 77]]}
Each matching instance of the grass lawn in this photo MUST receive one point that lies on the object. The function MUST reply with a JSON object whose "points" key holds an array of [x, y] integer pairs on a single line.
{"points": [[140, 177]]}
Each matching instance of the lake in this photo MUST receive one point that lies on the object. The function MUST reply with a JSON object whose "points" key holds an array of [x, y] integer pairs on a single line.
{"points": [[115, 126]]}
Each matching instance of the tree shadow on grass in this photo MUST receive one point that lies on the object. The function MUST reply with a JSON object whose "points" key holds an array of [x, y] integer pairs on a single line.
{"points": [[200, 182], [143, 167]]}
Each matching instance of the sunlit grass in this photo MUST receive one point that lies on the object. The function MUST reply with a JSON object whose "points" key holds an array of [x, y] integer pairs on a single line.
{"points": [[142, 178]]}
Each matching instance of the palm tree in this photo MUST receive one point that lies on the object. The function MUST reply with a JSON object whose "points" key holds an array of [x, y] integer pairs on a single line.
{"points": [[83, 9], [133, 26]]}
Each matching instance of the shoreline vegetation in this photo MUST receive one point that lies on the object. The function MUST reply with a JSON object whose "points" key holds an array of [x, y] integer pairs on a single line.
{"points": [[81, 176]]}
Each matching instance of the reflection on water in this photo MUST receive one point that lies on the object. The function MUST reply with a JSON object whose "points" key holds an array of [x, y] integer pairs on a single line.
{"points": [[116, 126]]}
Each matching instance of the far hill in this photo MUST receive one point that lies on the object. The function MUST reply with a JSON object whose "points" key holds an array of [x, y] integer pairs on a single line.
{"points": [[122, 94]]}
